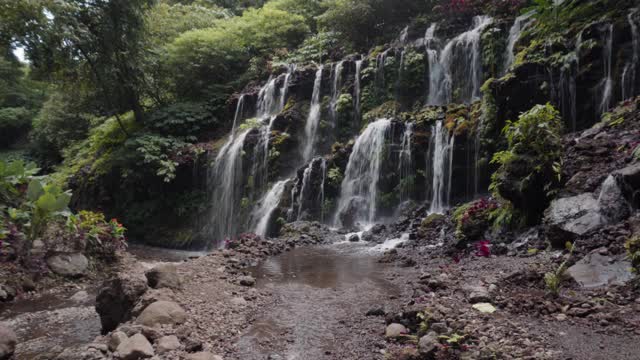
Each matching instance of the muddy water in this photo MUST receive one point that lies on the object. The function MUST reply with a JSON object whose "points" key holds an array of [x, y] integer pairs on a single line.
{"points": [[322, 295]]}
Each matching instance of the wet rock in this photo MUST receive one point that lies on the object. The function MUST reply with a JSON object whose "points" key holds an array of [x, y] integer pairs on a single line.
{"points": [[167, 344], [572, 216], [428, 344], [395, 330], [115, 339], [69, 265], [164, 276], [204, 356], [134, 348], [192, 345], [162, 313], [629, 180], [28, 285], [247, 281], [8, 342], [611, 201], [597, 270], [150, 333], [116, 299], [354, 238]]}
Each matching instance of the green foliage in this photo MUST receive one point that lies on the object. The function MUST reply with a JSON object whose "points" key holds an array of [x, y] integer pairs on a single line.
{"points": [[335, 177], [104, 239], [61, 122], [154, 151], [315, 48], [633, 251], [14, 123], [529, 169], [45, 201], [186, 120], [220, 54]]}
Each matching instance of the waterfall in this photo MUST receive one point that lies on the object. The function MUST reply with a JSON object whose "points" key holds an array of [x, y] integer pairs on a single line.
{"points": [[442, 162], [404, 36], [606, 84], [227, 184], [239, 113], [356, 92], [285, 85], [567, 88], [379, 78], [268, 205], [267, 99], [335, 89], [435, 70], [400, 73], [514, 34], [629, 74], [308, 194], [313, 119], [360, 185], [405, 166], [460, 65]]}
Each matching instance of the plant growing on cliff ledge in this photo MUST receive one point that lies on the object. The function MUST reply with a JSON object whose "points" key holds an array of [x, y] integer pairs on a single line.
{"points": [[529, 170]]}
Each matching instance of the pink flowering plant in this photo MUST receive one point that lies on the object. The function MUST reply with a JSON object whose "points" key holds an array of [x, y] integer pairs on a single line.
{"points": [[473, 219]]}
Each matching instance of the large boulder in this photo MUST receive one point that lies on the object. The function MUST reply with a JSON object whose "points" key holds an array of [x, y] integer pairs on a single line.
{"points": [[162, 313], [611, 201], [168, 343], [117, 298], [629, 181], [573, 216], [151, 296], [70, 265], [164, 276], [8, 341], [135, 347], [596, 270]]}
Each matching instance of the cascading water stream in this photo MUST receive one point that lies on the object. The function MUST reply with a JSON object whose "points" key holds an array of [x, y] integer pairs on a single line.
{"points": [[520, 24], [379, 78], [435, 70], [268, 204], [629, 74], [360, 185], [461, 59], [335, 89], [313, 119], [443, 144], [237, 118], [405, 166], [227, 182], [285, 86], [356, 92], [606, 84]]}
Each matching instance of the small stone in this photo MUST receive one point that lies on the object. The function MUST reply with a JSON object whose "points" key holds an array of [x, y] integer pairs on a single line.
{"points": [[115, 339], [485, 308], [440, 328], [239, 301], [395, 330], [561, 317], [168, 343], [80, 296], [428, 344], [247, 281], [204, 356], [134, 348], [479, 295], [8, 342], [376, 312]]}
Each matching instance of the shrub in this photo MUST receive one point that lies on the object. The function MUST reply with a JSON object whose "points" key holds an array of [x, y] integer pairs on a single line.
{"points": [[633, 251], [473, 219], [530, 169], [14, 124], [104, 239], [187, 120]]}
